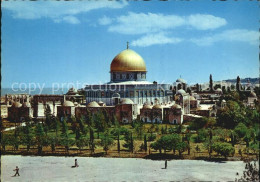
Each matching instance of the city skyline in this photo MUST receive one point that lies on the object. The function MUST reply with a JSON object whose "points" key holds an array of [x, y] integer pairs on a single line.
{"points": [[57, 42]]}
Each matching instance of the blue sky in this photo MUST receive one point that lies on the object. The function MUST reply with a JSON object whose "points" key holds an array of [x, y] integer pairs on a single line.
{"points": [[60, 42]]}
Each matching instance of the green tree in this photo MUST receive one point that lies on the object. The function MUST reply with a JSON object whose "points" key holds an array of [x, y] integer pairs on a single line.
{"points": [[181, 147], [197, 148], [167, 142], [64, 128], [207, 144], [254, 146], [117, 131], [15, 142], [231, 115], [56, 125], [188, 138], [28, 136], [90, 128], [224, 149], [40, 139], [129, 141], [83, 127], [81, 143], [233, 137], [156, 146], [139, 128], [240, 130], [238, 84], [248, 136], [74, 124], [201, 135], [53, 141], [210, 83], [100, 123], [48, 116], [5, 140], [66, 142], [106, 141], [198, 123], [145, 143]]}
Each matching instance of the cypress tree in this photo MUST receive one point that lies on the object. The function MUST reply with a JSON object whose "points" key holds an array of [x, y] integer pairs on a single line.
{"points": [[210, 83], [145, 143], [238, 85]]}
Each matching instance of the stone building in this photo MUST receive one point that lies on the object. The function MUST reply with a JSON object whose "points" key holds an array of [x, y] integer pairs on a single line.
{"points": [[169, 113], [183, 99], [175, 114], [67, 109], [125, 110], [251, 99], [18, 112]]}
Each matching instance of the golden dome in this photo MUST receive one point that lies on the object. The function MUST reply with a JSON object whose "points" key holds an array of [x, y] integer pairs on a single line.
{"points": [[128, 60]]}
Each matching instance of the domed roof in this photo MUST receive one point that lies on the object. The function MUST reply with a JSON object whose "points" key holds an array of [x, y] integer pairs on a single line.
{"points": [[128, 60], [126, 101], [181, 80], [252, 94], [101, 103], [218, 90], [26, 104], [93, 104], [157, 106], [176, 106], [192, 98], [68, 104], [147, 106], [72, 91], [17, 104], [181, 91]]}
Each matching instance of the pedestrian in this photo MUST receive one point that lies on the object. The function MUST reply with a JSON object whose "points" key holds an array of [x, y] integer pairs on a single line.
{"points": [[76, 163], [17, 171], [165, 164]]}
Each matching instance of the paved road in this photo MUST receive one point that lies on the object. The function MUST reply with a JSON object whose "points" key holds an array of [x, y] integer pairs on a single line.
{"points": [[116, 169]]}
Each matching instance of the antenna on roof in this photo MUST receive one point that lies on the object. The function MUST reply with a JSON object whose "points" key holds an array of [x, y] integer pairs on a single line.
{"points": [[127, 45]]}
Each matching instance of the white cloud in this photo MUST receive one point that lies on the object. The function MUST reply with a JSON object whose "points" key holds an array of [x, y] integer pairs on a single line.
{"points": [[155, 39], [56, 10], [205, 22], [105, 20], [241, 35], [68, 19], [141, 23]]}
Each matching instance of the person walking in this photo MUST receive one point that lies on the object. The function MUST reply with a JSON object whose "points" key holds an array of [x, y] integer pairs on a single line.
{"points": [[17, 171], [76, 163], [165, 164]]}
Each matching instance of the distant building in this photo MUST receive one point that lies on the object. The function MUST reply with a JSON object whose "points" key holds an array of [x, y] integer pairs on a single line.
{"points": [[252, 98]]}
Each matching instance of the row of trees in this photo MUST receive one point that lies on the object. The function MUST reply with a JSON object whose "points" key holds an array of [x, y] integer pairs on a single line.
{"points": [[54, 132]]}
